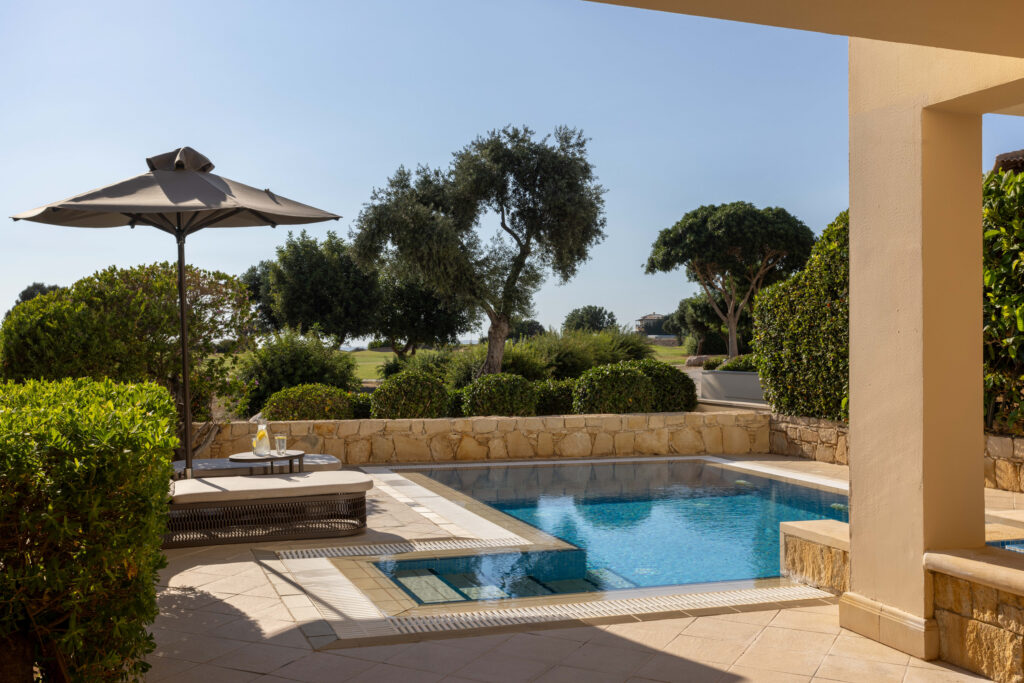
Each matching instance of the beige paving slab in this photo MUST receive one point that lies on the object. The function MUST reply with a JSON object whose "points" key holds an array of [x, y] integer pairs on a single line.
{"points": [[784, 661], [854, 670]]}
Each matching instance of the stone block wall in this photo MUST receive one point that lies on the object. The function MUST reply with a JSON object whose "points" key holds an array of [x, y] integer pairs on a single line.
{"points": [[359, 442], [1004, 462], [816, 553], [811, 438], [980, 628]]}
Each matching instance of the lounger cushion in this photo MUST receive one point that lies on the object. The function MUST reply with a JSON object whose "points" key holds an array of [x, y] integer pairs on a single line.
{"points": [[262, 487]]}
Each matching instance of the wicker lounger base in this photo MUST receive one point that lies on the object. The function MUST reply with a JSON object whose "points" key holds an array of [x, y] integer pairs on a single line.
{"points": [[274, 519]]}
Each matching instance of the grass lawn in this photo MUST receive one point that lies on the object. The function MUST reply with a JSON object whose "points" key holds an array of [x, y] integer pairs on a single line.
{"points": [[670, 354], [367, 362]]}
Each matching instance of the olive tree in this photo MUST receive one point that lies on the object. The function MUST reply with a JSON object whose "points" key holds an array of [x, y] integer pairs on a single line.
{"points": [[411, 315], [589, 319], [732, 251], [541, 193]]}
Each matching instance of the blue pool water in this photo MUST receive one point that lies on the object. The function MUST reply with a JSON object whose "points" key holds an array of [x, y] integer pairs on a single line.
{"points": [[635, 524]]}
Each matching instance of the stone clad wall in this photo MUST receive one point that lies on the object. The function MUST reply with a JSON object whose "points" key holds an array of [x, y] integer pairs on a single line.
{"points": [[980, 628], [811, 438], [358, 442], [1004, 462], [816, 553]]}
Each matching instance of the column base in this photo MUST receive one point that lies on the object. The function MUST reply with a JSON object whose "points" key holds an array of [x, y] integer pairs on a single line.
{"points": [[917, 636]]}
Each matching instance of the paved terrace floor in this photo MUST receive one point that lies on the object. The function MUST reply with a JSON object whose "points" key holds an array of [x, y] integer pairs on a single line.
{"points": [[224, 618]]}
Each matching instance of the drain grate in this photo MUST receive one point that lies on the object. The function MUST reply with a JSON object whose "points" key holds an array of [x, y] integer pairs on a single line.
{"points": [[398, 548]]}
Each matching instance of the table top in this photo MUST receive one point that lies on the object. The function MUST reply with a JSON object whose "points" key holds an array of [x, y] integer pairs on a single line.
{"points": [[273, 455]]}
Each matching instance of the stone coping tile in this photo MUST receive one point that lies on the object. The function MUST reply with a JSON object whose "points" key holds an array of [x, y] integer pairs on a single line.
{"points": [[994, 567], [830, 532]]}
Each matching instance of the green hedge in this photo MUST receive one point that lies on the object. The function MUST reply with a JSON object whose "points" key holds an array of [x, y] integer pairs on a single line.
{"points": [[713, 363], [309, 402], [802, 332], [288, 359], [361, 401], [674, 391], [500, 394], [738, 364], [616, 388], [83, 508], [554, 396], [409, 394]]}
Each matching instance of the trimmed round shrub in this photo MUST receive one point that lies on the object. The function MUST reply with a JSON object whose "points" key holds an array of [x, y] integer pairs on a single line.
{"points": [[360, 404], [409, 394], [288, 359], [738, 364], [500, 394], [616, 388], [713, 363], [309, 402], [554, 396], [83, 512], [674, 391], [802, 332]]}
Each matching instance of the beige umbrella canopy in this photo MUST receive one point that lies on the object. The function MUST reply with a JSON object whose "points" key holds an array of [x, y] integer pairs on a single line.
{"points": [[180, 196]]}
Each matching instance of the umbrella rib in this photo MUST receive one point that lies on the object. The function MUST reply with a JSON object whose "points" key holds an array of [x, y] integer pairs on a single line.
{"points": [[263, 218], [136, 218], [217, 219]]}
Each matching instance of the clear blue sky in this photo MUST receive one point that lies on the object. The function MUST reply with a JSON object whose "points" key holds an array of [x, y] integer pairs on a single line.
{"points": [[322, 101]]}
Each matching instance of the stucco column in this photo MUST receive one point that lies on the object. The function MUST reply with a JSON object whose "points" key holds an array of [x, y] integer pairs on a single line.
{"points": [[916, 468]]}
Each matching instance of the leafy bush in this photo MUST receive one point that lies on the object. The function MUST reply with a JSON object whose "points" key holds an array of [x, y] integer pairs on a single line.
{"points": [[123, 324], [288, 359], [83, 509], [738, 364], [392, 366], [1003, 222], [409, 394], [519, 359], [713, 363], [674, 391], [616, 388], [500, 394], [802, 332], [309, 402], [554, 396], [456, 403], [360, 401]]}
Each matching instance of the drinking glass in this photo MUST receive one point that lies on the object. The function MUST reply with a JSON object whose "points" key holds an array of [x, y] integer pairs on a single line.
{"points": [[281, 442]]}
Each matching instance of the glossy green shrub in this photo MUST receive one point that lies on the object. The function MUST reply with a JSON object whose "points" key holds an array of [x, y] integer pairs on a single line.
{"points": [[456, 403], [738, 364], [83, 508], [674, 391], [360, 404], [309, 402], [554, 396], [713, 363], [1003, 336], [409, 394], [500, 394], [616, 388], [288, 359], [802, 332]]}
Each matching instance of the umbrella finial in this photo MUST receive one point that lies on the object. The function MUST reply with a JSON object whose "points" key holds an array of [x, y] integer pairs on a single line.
{"points": [[181, 159]]}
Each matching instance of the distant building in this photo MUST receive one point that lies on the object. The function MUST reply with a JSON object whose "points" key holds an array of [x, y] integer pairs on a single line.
{"points": [[652, 326]]}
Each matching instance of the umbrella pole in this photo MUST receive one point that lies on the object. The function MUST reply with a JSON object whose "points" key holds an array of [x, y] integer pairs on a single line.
{"points": [[183, 314]]}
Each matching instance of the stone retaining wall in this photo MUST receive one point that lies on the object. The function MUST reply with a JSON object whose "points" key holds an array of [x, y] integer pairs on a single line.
{"points": [[359, 442], [980, 628], [1004, 462], [816, 553], [811, 438]]}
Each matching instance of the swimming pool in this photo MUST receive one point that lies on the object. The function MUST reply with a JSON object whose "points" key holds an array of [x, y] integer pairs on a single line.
{"points": [[636, 524]]}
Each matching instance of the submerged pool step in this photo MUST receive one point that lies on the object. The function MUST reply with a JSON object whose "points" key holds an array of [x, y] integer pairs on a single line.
{"points": [[427, 586], [468, 584], [606, 579]]}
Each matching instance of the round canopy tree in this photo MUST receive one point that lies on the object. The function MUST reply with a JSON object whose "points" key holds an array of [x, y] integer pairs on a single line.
{"points": [[548, 208], [732, 251], [589, 319], [411, 315]]}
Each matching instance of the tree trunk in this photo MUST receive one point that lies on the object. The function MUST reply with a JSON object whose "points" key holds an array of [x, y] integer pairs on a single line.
{"points": [[496, 335], [734, 346]]}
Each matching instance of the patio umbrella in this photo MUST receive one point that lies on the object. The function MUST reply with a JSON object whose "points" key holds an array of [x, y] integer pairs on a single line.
{"points": [[180, 196]]}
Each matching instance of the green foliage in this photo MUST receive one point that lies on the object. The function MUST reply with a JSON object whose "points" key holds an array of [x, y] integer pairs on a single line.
{"points": [[520, 329], [32, 291], [589, 319], [288, 359], [739, 364], [1003, 222], [500, 394], [733, 250], [319, 284], [548, 204], [802, 332], [617, 388], [554, 396], [674, 391], [569, 354], [257, 280], [392, 366], [309, 402], [456, 403], [83, 510], [696, 318], [361, 401], [124, 324], [409, 394], [713, 363], [519, 359], [410, 314]]}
